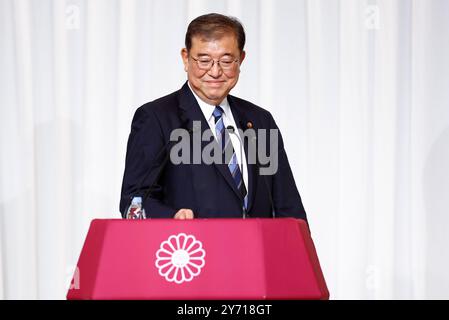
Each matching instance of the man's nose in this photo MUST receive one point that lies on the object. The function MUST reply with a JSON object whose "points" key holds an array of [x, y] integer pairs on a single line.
{"points": [[215, 71]]}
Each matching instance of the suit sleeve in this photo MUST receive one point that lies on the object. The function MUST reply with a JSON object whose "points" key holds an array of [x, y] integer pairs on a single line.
{"points": [[286, 198], [144, 144]]}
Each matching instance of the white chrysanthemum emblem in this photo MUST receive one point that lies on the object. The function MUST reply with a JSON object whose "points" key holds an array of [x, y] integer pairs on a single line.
{"points": [[180, 258]]}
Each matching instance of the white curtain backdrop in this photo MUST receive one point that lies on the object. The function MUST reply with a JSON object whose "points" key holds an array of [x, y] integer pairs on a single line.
{"points": [[359, 88]]}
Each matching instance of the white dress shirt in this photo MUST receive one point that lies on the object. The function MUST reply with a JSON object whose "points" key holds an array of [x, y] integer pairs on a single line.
{"points": [[228, 120]]}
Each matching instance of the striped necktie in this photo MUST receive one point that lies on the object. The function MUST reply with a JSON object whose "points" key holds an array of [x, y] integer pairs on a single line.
{"points": [[227, 149]]}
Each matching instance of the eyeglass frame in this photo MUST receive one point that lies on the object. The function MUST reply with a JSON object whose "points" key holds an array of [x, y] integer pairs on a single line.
{"points": [[197, 60]]}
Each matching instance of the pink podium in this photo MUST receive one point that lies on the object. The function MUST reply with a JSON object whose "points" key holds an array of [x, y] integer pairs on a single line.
{"points": [[201, 259]]}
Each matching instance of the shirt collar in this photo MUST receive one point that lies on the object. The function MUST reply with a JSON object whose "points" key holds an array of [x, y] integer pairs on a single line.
{"points": [[208, 109]]}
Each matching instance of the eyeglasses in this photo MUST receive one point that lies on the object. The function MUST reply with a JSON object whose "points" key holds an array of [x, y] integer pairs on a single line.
{"points": [[206, 63]]}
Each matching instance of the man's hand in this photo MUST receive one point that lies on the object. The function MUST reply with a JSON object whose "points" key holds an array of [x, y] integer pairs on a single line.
{"points": [[184, 214]]}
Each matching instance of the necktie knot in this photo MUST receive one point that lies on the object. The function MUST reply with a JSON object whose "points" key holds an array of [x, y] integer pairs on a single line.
{"points": [[218, 113]]}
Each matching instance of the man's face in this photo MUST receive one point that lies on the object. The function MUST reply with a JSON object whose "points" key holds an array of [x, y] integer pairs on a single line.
{"points": [[213, 85]]}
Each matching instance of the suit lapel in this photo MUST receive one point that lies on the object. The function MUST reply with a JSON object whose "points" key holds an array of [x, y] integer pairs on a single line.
{"points": [[241, 119], [190, 111]]}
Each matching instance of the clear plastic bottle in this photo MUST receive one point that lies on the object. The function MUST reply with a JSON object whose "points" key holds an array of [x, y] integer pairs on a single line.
{"points": [[136, 210]]}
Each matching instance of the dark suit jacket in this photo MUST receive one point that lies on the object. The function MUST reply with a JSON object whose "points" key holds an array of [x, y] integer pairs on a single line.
{"points": [[206, 189]]}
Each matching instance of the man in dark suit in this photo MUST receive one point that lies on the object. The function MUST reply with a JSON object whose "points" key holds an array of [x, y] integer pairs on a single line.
{"points": [[232, 188]]}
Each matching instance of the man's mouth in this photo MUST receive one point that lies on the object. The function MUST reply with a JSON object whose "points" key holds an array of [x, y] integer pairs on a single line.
{"points": [[214, 83]]}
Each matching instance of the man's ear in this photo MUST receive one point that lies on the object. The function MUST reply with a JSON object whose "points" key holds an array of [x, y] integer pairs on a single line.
{"points": [[185, 58], [242, 57]]}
